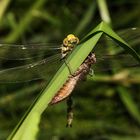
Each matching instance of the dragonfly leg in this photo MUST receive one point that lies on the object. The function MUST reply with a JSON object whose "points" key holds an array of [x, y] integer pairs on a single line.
{"points": [[91, 72], [68, 66]]}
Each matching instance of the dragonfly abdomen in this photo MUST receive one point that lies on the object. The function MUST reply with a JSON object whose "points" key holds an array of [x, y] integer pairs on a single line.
{"points": [[65, 90], [70, 84]]}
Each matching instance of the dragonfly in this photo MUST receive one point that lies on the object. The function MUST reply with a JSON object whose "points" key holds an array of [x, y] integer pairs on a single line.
{"points": [[24, 63], [37, 61], [70, 84], [30, 62]]}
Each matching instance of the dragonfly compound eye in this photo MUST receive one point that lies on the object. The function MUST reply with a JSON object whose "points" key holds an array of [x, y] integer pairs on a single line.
{"points": [[70, 40], [68, 44]]}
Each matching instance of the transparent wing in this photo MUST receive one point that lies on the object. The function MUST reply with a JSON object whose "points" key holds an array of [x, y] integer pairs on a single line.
{"points": [[41, 69], [110, 56], [20, 63], [31, 62], [115, 62], [27, 52]]}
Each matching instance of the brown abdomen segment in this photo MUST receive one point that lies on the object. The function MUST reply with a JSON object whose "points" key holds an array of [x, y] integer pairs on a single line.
{"points": [[69, 85], [65, 91]]}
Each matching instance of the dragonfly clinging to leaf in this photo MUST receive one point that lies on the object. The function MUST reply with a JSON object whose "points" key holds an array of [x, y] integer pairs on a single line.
{"points": [[37, 64], [21, 63]]}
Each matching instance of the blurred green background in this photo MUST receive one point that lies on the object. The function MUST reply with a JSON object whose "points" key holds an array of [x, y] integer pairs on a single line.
{"points": [[105, 108]]}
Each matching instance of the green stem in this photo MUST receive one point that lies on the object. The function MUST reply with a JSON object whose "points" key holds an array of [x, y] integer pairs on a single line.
{"points": [[104, 12], [3, 7], [27, 19]]}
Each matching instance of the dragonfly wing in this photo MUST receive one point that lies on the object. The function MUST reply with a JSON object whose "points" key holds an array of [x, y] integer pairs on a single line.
{"points": [[39, 70], [119, 59], [131, 35], [26, 52], [115, 62]]}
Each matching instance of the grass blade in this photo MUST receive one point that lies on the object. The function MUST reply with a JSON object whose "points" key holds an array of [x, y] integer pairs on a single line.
{"points": [[74, 60], [131, 106]]}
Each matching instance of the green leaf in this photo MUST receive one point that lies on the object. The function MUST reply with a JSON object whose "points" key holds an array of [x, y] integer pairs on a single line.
{"points": [[26, 20], [104, 27], [74, 60], [129, 103], [29, 133], [3, 6]]}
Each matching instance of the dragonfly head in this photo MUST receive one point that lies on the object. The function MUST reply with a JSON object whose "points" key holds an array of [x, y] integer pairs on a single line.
{"points": [[70, 41]]}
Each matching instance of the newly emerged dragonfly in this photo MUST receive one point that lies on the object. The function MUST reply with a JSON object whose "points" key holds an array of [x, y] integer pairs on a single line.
{"points": [[23, 63], [70, 84]]}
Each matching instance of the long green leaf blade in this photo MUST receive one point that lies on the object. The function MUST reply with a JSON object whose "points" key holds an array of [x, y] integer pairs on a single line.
{"points": [[74, 60]]}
